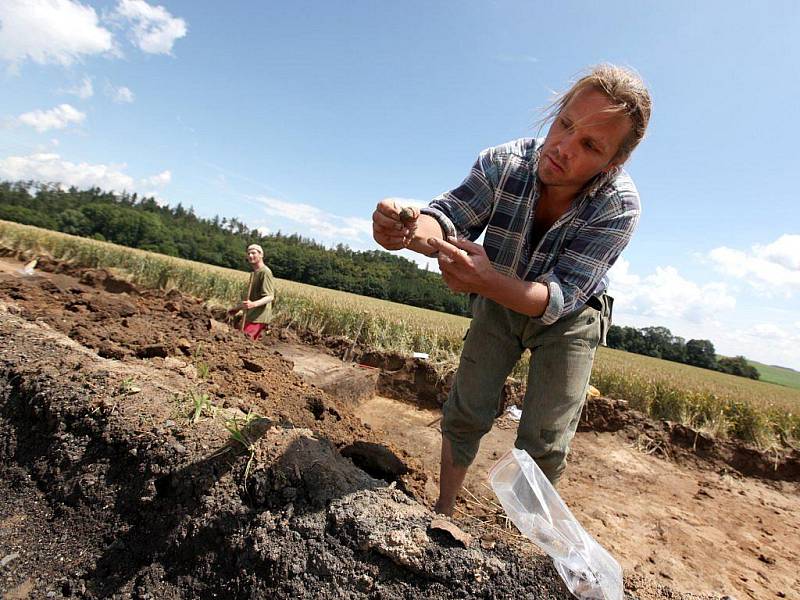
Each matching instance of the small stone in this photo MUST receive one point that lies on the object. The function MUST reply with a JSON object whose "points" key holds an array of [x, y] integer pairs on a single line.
{"points": [[153, 351], [8, 559], [488, 542], [407, 214], [365, 583], [252, 366]]}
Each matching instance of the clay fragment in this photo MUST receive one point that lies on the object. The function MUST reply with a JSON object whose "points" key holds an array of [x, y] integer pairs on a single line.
{"points": [[462, 538]]}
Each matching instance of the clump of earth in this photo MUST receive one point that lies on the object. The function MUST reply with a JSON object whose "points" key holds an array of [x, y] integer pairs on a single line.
{"points": [[149, 450]]}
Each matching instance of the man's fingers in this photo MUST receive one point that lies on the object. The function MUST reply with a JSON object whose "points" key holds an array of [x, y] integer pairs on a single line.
{"points": [[388, 232], [389, 209], [450, 277], [466, 245], [448, 250], [386, 222]]}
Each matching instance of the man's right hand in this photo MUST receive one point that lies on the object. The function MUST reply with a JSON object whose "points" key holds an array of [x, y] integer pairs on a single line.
{"points": [[387, 227]]}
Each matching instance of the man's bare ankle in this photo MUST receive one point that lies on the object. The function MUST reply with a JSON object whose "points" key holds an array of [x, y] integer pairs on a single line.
{"points": [[443, 509]]}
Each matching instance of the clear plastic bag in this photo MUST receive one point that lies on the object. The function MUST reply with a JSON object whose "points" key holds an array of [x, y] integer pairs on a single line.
{"points": [[534, 506]]}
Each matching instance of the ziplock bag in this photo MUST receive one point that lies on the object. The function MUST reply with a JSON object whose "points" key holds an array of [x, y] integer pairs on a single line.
{"points": [[534, 506]]}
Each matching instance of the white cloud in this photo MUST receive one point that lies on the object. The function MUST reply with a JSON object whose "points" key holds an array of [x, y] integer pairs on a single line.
{"points": [[50, 31], [155, 30], [407, 201], [159, 180], [317, 222], [706, 311], [784, 251], [770, 343], [56, 118], [332, 229], [122, 94], [773, 268], [160, 200], [666, 294], [52, 168], [83, 90]]}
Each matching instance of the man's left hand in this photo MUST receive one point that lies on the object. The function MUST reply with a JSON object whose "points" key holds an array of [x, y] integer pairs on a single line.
{"points": [[464, 265], [248, 304]]}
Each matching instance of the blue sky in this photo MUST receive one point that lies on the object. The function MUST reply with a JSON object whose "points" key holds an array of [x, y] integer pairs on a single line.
{"points": [[300, 116]]}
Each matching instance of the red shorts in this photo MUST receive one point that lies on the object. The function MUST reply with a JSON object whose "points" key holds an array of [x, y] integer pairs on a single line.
{"points": [[254, 330]]}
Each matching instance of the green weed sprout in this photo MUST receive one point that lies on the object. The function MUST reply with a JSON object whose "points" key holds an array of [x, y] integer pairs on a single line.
{"points": [[238, 429], [127, 387], [200, 405], [203, 370]]}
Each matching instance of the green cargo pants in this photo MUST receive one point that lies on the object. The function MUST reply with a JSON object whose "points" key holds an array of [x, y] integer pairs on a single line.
{"points": [[558, 377]]}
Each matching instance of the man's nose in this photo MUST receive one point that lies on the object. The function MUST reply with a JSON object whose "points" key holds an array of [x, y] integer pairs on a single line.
{"points": [[566, 146]]}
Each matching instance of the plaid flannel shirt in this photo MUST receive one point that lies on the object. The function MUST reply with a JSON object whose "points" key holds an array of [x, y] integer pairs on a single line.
{"points": [[499, 197]]}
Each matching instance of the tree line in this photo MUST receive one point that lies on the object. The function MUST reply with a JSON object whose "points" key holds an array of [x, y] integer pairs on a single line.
{"points": [[140, 222], [660, 343]]}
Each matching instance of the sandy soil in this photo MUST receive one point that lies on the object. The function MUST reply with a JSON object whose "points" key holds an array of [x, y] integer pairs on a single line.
{"points": [[692, 528], [675, 524]]}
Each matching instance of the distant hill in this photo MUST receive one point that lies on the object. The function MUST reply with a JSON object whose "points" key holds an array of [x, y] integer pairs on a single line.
{"points": [[780, 375]]}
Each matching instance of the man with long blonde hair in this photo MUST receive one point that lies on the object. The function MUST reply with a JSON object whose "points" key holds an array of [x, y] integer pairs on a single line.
{"points": [[555, 213]]}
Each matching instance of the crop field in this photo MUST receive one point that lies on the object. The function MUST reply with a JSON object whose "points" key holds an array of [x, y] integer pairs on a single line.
{"points": [[759, 412]]}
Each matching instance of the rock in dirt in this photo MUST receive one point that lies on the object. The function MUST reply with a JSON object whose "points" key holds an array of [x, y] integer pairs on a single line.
{"points": [[455, 532], [252, 366], [217, 326], [8, 559], [153, 351]]}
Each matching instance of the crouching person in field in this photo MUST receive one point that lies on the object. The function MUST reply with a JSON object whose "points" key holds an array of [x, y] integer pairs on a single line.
{"points": [[257, 304]]}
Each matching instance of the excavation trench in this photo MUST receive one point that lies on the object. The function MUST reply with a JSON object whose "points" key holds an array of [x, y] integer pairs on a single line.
{"points": [[401, 399]]}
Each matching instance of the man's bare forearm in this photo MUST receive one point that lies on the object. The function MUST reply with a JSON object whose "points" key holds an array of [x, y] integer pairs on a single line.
{"points": [[525, 297], [263, 301], [427, 227]]}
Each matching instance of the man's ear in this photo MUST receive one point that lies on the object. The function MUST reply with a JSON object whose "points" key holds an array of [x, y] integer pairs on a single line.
{"points": [[615, 163]]}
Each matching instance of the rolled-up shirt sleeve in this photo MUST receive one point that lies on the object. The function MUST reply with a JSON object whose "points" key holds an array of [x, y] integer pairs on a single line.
{"points": [[585, 260], [465, 211]]}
